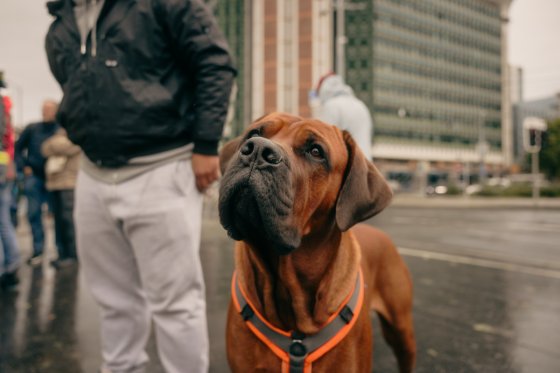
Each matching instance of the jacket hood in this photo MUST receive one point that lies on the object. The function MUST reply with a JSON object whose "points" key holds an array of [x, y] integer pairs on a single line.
{"points": [[334, 86], [55, 7]]}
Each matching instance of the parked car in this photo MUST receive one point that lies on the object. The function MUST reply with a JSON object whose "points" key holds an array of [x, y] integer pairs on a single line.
{"points": [[432, 190]]}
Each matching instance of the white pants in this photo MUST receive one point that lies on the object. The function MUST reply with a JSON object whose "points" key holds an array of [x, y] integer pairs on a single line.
{"points": [[138, 244]]}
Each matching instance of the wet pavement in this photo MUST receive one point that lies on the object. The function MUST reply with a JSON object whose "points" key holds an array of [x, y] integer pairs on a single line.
{"points": [[487, 285]]}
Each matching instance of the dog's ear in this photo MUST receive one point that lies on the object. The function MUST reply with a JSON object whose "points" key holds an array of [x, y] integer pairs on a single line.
{"points": [[227, 151], [364, 191]]}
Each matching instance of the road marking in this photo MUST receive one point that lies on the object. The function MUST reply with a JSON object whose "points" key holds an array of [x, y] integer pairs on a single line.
{"points": [[489, 329], [486, 263]]}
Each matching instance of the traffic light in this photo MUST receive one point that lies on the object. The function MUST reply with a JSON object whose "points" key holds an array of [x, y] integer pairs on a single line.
{"points": [[533, 129], [534, 138]]}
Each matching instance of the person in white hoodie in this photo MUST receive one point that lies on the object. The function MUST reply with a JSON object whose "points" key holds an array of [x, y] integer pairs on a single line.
{"points": [[339, 106]]}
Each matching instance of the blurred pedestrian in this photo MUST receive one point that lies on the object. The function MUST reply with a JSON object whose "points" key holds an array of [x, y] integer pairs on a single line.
{"points": [[16, 192], [9, 250], [339, 106], [31, 163], [61, 169], [146, 88]]}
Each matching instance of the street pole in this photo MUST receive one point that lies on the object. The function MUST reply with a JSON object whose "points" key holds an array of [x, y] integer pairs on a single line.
{"points": [[340, 39], [533, 129], [536, 179], [466, 177], [422, 169], [341, 7], [482, 148]]}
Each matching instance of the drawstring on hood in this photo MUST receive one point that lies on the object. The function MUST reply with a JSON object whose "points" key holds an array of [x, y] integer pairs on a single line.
{"points": [[87, 13], [94, 29]]}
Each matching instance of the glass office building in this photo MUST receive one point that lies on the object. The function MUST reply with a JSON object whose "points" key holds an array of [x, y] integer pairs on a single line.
{"points": [[432, 74]]}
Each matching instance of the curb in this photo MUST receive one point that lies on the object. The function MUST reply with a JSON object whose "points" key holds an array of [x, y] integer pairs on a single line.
{"points": [[474, 202]]}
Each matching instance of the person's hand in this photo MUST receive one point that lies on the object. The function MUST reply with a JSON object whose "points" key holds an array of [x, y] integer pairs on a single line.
{"points": [[27, 171], [206, 170]]}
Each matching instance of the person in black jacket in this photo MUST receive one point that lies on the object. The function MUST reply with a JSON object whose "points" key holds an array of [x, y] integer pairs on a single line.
{"points": [[31, 163], [146, 87]]}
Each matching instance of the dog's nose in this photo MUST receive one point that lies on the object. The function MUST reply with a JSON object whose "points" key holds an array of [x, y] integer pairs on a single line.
{"points": [[262, 151]]}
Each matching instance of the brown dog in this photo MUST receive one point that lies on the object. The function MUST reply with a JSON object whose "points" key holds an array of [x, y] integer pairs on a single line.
{"points": [[292, 189]]}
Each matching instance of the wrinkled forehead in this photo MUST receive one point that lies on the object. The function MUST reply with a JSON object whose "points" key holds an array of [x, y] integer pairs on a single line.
{"points": [[296, 131]]}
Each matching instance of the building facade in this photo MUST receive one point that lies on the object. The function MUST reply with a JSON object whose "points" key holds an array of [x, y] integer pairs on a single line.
{"points": [[281, 48], [433, 72], [516, 84]]}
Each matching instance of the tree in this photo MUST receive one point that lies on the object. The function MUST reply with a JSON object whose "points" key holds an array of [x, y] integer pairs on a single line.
{"points": [[550, 153]]}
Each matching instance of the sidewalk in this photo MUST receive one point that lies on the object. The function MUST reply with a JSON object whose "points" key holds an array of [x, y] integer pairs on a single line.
{"points": [[414, 200]]}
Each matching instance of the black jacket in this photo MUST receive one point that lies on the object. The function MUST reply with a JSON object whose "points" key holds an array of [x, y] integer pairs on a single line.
{"points": [[160, 78], [28, 147]]}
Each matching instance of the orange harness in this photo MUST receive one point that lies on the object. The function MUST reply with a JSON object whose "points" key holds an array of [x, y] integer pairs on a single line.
{"points": [[296, 350]]}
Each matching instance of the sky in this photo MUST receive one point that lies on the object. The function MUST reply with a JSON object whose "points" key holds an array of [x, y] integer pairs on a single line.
{"points": [[533, 35]]}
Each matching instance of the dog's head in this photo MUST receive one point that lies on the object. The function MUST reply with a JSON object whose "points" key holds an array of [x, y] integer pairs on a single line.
{"points": [[287, 177]]}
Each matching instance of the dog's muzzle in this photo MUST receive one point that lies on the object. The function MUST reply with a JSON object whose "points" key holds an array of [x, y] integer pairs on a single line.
{"points": [[260, 153], [256, 196]]}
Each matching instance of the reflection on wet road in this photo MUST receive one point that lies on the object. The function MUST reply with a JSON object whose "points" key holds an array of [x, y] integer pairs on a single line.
{"points": [[486, 284], [486, 297]]}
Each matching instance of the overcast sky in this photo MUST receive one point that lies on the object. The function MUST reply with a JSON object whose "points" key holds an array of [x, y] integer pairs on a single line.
{"points": [[534, 45]]}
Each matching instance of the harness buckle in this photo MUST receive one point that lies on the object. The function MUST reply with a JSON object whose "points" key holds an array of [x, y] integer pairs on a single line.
{"points": [[298, 353], [247, 312], [346, 314], [298, 349]]}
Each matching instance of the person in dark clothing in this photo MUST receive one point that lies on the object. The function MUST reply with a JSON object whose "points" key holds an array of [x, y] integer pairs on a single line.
{"points": [[146, 88], [63, 159], [31, 163]]}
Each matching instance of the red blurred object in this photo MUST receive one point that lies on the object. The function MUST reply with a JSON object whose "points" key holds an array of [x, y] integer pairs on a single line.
{"points": [[9, 137]]}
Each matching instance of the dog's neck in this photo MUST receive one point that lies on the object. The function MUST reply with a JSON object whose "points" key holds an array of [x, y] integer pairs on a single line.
{"points": [[301, 290]]}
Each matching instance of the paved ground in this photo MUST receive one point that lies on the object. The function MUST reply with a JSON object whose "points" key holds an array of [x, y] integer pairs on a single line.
{"points": [[486, 287], [487, 280]]}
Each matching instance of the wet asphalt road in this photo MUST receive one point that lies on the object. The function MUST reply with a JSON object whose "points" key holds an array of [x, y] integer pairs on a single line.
{"points": [[487, 296]]}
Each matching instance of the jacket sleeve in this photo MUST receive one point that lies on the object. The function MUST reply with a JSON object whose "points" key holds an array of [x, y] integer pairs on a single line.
{"points": [[202, 49], [59, 144], [54, 56]]}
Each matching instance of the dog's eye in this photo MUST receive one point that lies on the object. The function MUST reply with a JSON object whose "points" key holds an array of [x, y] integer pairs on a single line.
{"points": [[253, 133], [316, 152]]}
